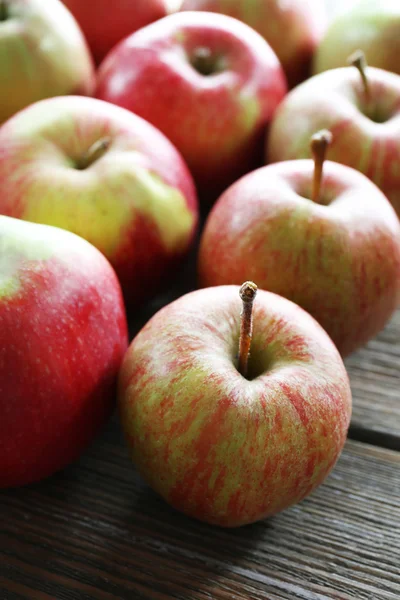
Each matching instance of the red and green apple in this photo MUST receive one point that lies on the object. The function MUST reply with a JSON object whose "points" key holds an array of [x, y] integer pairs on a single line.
{"points": [[221, 446], [63, 335], [293, 28], [42, 53], [334, 248], [209, 82], [363, 114], [107, 175]]}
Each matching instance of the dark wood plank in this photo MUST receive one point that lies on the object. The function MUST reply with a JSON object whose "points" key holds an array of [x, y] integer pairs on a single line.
{"points": [[96, 531], [375, 380]]}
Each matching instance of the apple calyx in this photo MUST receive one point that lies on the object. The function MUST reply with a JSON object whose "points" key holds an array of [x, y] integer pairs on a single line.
{"points": [[3, 10], [203, 61], [320, 142], [96, 151], [247, 293], [357, 59]]}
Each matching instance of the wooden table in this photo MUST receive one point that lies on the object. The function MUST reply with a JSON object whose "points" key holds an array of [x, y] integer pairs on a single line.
{"points": [[95, 531]]}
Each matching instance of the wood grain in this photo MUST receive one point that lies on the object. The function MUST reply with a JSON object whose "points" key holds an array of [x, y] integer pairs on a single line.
{"points": [[96, 531], [375, 380]]}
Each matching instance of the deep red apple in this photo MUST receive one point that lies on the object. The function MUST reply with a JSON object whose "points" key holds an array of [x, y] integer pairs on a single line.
{"points": [[62, 338], [208, 81], [106, 175], [105, 23], [293, 28], [362, 114], [225, 447], [335, 252]]}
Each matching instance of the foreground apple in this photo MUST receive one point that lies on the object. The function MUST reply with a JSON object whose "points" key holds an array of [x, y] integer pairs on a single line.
{"points": [[362, 114], [209, 82], [107, 175], [221, 446], [104, 23], [333, 250], [62, 338], [42, 53], [302, 21], [373, 26]]}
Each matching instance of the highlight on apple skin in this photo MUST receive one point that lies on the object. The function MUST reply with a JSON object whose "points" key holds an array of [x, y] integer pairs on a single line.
{"points": [[338, 256], [220, 447], [364, 122], [302, 21], [107, 175], [42, 54], [63, 334], [209, 82]]}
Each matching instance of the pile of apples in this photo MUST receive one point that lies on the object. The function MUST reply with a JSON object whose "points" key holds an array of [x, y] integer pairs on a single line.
{"points": [[121, 127]]}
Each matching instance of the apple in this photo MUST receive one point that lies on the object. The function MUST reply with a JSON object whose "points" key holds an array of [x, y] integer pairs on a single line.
{"points": [[363, 114], [42, 54], [208, 81], [371, 25], [329, 241], [63, 335], [302, 21], [107, 175], [225, 447], [105, 24]]}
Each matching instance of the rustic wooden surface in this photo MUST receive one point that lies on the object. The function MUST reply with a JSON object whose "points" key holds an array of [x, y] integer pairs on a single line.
{"points": [[96, 532], [375, 380]]}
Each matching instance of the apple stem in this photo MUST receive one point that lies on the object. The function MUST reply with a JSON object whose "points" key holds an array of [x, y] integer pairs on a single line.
{"points": [[95, 152], [203, 61], [3, 10], [247, 294], [358, 60], [319, 146]]}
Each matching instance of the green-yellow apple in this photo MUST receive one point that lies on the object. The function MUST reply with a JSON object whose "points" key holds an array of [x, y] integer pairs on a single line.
{"points": [[293, 28], [370, 25], [106, 175], [42, 53], [209, 82], [104, 23], [221, 446], [364, 121], [335, 252], [63, 335]]}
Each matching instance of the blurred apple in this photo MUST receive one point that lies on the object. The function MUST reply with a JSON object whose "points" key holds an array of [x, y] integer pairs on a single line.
{"points": [[209, 82], [106, 175], [105, 23], [372, 26], [42, 53], [293, 28]]}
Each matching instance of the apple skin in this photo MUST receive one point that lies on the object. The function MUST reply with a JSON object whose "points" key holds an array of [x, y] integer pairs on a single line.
{"points": [[303, 22], [370, 25], [217, 121], [63, 335], [335, 100], [339, 260], [137, 203], [104, 25], [42, 53], [219, 447]]}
